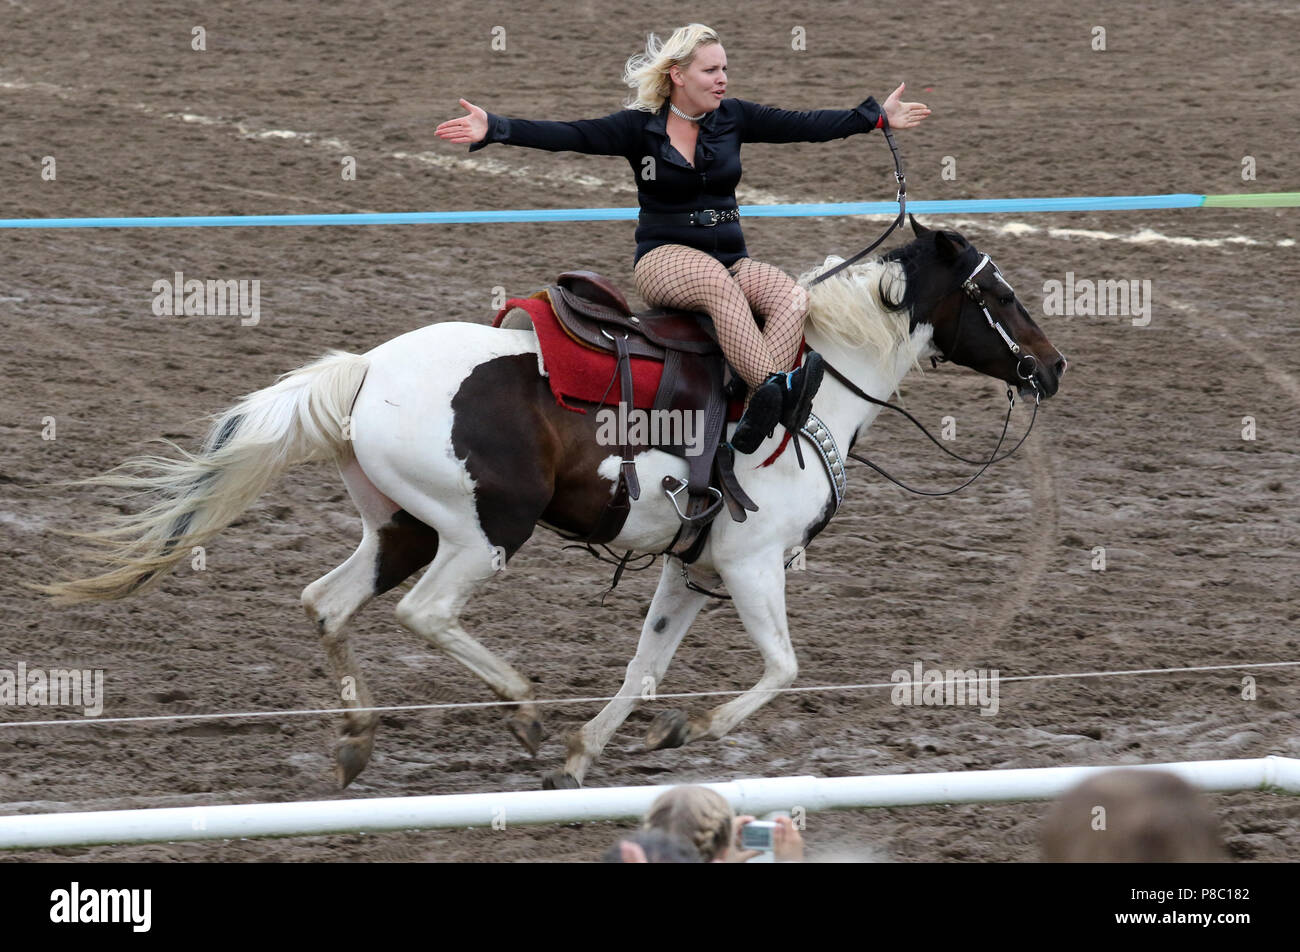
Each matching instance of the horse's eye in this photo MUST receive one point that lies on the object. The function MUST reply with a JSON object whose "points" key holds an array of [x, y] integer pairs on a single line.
{"points": [[1007, 299]]}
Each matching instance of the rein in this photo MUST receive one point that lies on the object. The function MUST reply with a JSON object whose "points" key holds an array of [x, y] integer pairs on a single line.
{"points": [[983, 464], [901, 179], [972, 291]]}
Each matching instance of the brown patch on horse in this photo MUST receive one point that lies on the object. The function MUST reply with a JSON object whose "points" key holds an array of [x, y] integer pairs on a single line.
{"points": [[406, 545], [530, 458]]}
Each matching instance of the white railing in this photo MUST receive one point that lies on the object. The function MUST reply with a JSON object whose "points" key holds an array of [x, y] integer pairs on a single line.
{"points": [[757, 797]]}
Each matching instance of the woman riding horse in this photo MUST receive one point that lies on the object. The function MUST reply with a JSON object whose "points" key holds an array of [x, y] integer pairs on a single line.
{"points": [[683, 141]]}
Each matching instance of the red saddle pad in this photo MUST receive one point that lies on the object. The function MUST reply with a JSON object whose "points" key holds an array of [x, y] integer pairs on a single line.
{"points": [[579, 372]]}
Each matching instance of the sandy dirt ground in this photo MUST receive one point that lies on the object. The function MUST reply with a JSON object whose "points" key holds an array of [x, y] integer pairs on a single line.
{"points": [[1142, 453]]}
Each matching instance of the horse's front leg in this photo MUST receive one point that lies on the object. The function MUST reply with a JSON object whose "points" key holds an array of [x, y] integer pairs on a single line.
{"points": [[672, 610], [757, 588]]}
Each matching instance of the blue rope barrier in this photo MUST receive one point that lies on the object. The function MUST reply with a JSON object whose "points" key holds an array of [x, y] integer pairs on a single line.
{"points": [[954, 207]]}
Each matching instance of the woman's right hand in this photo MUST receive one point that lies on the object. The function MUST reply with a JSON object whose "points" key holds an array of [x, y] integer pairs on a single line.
{"points": [[467, 129]]}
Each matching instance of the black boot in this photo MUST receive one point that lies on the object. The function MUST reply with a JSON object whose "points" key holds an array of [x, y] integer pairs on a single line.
{"points": [[798, 389], [761, 416], [736, 387]]}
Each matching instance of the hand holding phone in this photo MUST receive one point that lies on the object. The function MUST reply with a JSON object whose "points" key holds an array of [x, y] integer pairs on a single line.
{"points": [[758, 835]]}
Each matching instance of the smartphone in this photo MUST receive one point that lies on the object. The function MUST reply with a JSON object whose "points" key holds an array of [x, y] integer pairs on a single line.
{"points": [[758, 835]]}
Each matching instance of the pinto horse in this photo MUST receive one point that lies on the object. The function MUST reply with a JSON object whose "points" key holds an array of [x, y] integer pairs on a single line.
{"points": [[453, 449]]}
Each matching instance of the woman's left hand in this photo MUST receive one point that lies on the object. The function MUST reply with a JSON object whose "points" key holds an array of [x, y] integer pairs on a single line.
{"points": [[737, 853], [904, 115]]}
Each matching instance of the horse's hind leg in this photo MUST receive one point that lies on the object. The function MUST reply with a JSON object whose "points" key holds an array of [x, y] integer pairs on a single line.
{"points": [[672, 610], [432, 610], [389, 547]]}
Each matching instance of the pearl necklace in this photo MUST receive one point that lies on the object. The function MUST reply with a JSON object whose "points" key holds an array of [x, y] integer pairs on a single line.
{"points": [[678, 112]]}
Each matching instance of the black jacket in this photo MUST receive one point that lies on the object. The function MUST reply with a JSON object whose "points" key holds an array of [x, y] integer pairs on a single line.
{"points": [[666, 183]]}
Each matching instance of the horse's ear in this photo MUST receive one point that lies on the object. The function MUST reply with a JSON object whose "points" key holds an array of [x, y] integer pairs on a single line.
{"points": [[947, 249], [917, 228]]}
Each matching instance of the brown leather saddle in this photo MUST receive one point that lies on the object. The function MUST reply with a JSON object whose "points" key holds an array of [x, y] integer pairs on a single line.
{"points": [[593, 311]]}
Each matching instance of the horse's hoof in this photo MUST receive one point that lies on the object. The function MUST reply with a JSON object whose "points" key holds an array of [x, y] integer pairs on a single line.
{"points": [[557, 780], [668, 729], [528, 732], [350, 758]]}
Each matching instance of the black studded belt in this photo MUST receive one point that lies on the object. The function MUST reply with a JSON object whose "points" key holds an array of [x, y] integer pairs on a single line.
{"points": [[706, 218]]}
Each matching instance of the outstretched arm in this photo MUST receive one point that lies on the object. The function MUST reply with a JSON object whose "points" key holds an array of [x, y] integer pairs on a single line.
{"points": [[609, 135], [768, 124]]}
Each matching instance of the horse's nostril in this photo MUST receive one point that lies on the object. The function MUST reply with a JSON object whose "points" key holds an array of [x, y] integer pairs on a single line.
{"points": [[1060, 366]]}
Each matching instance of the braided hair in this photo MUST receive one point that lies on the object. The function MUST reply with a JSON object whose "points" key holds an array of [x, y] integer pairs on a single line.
{"points": [[700, 815]]}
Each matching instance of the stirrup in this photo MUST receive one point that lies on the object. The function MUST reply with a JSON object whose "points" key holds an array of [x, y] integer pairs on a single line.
{"points": [[674, 487]]}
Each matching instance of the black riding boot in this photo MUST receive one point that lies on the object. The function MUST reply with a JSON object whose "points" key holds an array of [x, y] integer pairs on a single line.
{"points": [[781, 398], [761, 416], [800, 387]]}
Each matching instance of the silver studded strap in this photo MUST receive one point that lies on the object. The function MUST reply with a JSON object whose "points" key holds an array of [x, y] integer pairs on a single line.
{"points": [[821, 438]]}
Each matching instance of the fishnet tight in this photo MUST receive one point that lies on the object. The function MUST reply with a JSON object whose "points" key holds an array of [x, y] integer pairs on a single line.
{"points": [[682, 277]]}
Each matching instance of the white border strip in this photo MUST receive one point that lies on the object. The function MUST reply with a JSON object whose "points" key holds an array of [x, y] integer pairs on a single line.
{"points": [[757, 797]]}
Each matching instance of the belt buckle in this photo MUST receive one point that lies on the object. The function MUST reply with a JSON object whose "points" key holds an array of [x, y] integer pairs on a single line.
{"points": [[708, 217]]}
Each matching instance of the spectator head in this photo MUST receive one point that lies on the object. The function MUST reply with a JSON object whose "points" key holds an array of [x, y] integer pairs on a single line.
{"points": [[698, 815], [1131, 816], [652, 846]]}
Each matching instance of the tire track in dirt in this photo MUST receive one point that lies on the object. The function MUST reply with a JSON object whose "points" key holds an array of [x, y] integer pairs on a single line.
{"points": [[260, 193], [1044, 502], [1045, 518], [103, 362], [1276, 375]]}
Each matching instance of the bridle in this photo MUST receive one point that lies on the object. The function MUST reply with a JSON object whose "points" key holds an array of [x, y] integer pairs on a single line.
{"points": [[1026, 372], [1026, 369]]}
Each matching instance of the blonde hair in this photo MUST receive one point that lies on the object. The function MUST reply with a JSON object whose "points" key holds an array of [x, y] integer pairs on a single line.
{"points": [[697, 814], [647, 72]]}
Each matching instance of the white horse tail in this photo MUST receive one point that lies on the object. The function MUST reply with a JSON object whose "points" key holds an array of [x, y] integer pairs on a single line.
{"points": [[302, 417]]}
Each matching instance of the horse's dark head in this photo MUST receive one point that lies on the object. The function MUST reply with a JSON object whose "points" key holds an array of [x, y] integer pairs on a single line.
{"points": [[978, 320]]}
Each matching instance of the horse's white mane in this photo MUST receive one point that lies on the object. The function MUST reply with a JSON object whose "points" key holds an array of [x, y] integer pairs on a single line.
{"points": [[849, 307]]}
